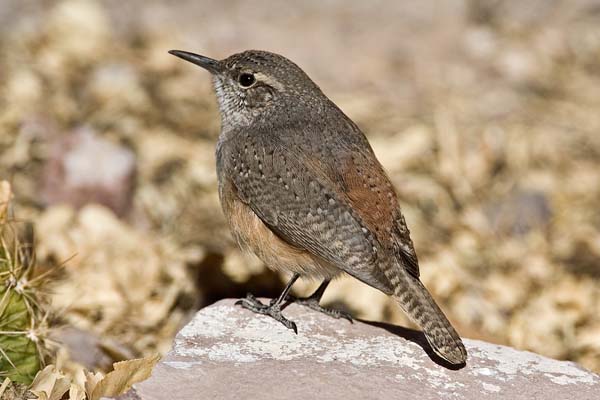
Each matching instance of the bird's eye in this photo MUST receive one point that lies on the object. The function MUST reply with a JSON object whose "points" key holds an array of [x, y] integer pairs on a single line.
{"points": [[246, 80]]}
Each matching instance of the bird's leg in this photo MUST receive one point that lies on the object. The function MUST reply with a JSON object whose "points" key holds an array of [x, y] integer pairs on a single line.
{"points": [[313, 300], [274, 308]]}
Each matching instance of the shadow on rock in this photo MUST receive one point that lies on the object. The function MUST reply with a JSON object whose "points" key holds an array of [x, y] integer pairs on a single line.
{"points": [[416, 337]]}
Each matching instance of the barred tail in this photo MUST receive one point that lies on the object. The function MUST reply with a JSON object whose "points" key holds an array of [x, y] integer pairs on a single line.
{"points": [[417, 303]]}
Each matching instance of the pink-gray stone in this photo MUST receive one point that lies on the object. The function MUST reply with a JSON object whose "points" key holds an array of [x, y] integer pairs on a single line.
{"points": [[84, 167], [227, 352]]}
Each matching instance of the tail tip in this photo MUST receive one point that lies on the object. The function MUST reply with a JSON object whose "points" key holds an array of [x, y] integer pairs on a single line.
{"points": [[455, 354]]}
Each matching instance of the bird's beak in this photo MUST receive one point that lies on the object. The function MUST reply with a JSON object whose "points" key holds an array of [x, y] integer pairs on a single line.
{"points": [[209, 64]]}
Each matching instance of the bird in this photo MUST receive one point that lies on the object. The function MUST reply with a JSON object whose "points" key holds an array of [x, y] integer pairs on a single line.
{"points": [[301, 187]]}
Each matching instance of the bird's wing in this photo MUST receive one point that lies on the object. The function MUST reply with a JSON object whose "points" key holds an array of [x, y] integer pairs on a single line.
{"points": [[372, 196], [319, 203]]}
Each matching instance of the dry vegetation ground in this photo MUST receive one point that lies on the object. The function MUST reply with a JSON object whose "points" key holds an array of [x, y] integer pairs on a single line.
{"points": [[486, 115]]}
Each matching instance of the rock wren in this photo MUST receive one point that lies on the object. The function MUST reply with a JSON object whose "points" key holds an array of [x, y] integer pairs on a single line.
{"points": [[301, 187]]}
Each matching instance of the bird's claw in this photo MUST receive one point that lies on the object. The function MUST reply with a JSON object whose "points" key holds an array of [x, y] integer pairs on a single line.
{"points": [[250, 302]]}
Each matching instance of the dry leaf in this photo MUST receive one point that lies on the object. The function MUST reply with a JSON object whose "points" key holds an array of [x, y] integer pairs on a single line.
{"points": [[50, 384], [44, 380], [91, 380], [76, 392], [126, 373]]}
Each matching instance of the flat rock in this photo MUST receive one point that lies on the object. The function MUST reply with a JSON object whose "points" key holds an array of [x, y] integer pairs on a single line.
{"points": [[228, 352]]}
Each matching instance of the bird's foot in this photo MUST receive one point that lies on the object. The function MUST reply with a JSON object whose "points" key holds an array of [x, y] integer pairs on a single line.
{"points": [[273, 310], [313, 303]]}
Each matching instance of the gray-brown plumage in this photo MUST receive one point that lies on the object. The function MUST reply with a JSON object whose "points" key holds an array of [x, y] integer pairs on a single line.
{"points": [[302, 188]]}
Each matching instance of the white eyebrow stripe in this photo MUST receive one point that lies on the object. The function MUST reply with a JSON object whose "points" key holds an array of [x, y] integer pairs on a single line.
{"points": [[268, 80]]}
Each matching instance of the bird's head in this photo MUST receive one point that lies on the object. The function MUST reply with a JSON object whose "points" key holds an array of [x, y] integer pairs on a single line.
{"points": [[255, 85]]}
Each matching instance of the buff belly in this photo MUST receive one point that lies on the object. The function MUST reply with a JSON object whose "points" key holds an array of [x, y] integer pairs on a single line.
{"points": [[253, 235]]}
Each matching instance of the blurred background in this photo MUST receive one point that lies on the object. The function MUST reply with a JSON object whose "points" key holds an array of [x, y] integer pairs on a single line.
{"points": [[486, 114]]}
